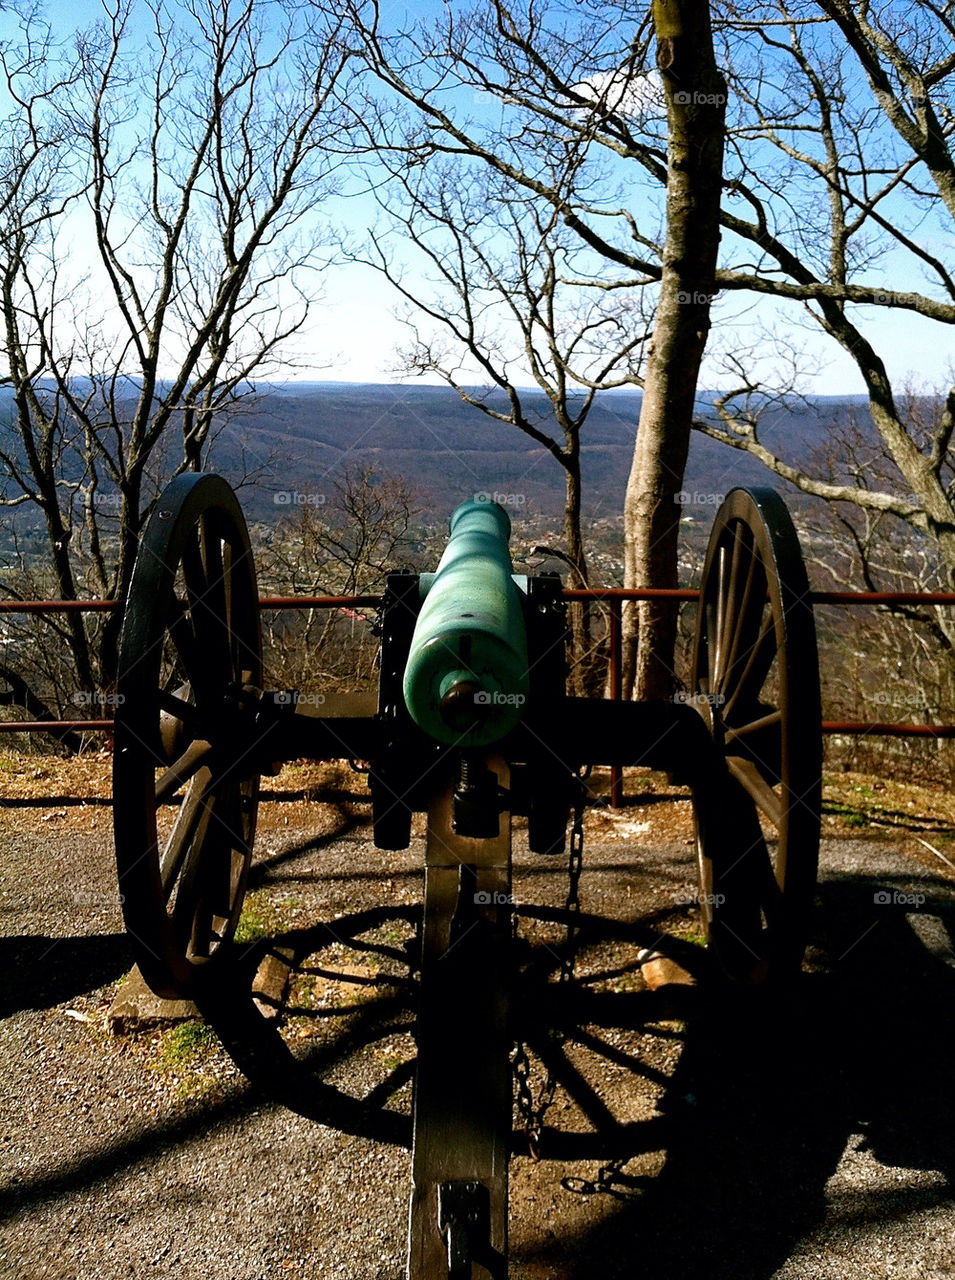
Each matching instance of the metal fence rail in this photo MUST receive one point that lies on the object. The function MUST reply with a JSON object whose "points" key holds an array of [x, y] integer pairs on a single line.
{"points": [[616, 596]]}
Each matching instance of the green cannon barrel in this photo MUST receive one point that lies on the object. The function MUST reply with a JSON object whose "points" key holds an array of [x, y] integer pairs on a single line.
{"points": [[465, 682]]}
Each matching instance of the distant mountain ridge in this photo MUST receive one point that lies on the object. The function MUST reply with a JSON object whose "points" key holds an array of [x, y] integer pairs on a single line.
{"points": [[306, 436], [297, 440]]}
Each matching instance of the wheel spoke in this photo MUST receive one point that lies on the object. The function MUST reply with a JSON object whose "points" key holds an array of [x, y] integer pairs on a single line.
{"points": [[761, 741], [242, 654], [224, 869], [214, 623], [185, 711], [754, 726], [228, 582], [183, 636], [758, 662], [748, 774], [187, 897], [750, 608], [188, 830], [719, 624], [194, 576], [727, 618], [192, 759], [769, 888], [213, 878]]}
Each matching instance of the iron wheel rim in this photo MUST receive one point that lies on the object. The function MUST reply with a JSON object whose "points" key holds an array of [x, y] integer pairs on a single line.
{"points": [[756, 682], [190, 655]]}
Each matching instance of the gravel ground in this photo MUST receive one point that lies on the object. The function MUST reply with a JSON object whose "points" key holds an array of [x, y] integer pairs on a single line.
{"points": [[808, 1140]]}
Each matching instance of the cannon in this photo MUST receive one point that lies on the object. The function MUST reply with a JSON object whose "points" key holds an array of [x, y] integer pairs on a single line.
{"points": [[471, 724]]}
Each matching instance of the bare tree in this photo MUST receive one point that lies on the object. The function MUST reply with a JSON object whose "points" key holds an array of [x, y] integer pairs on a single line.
{"points": [[345, 546], [370, 526], [551, 232], [848, 172], [506, 290], [894, 661], [838, 168], [158, 251], [696, 107]]}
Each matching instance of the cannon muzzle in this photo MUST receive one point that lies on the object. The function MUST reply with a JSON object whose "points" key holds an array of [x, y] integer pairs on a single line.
{"points": [[465, 682]]}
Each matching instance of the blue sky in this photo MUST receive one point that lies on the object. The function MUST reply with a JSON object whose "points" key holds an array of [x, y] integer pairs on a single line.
{"points": [[354, 334], [356, 330]]}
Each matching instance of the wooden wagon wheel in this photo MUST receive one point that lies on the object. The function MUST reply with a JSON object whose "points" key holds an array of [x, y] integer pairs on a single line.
{"points": [[756, 681], [189, 677]]}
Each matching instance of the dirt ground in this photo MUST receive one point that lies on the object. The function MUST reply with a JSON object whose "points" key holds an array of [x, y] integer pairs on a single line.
{"points": [[696, 1134]]}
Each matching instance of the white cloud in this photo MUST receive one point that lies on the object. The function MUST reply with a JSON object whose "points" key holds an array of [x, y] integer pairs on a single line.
{"points": [[625, 93]]}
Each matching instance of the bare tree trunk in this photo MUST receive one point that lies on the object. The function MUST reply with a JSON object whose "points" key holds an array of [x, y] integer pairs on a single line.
{"points": [[131, 526], [580, 614], [696, 108]]}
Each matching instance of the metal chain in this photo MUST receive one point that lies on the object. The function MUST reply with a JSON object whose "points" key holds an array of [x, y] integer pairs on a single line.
{"points": [[532, 1113], [609, 1178], [609, 1181]]}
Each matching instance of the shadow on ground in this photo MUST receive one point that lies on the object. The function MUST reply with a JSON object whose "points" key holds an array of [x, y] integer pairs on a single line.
{"points": [[767, 1094], [41, 972], [753, 1122]]}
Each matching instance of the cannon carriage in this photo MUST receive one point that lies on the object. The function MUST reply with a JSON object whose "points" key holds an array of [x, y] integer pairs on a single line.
{"points": [[471, 725]]}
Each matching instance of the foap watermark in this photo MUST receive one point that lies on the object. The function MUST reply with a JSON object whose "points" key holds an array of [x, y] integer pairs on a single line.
{"points": [[292, 698], [293, 498], [84, 699], [96, 898], [497, 699], [886, 698], [484, 898], [699, 699], [883, 898], [687, 299], [502, 499], [896, 299], [693, 898], [684, 98], [686, 499]]}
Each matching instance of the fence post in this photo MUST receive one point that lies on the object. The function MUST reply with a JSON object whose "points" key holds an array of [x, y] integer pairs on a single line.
{"points": [[616, 686]]}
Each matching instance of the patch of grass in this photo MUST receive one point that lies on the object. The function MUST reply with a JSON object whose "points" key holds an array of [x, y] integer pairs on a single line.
{"points": [[185, 1044], [186, 1055], [851, 815], [253, 925], [626, 982], [264, 916], [867, 804], [303, 992]]}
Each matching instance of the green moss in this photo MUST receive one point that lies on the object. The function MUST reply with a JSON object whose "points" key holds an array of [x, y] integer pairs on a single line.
{"points": [[851, 815], [253, 924], [265, 916], [185, 1044]]}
